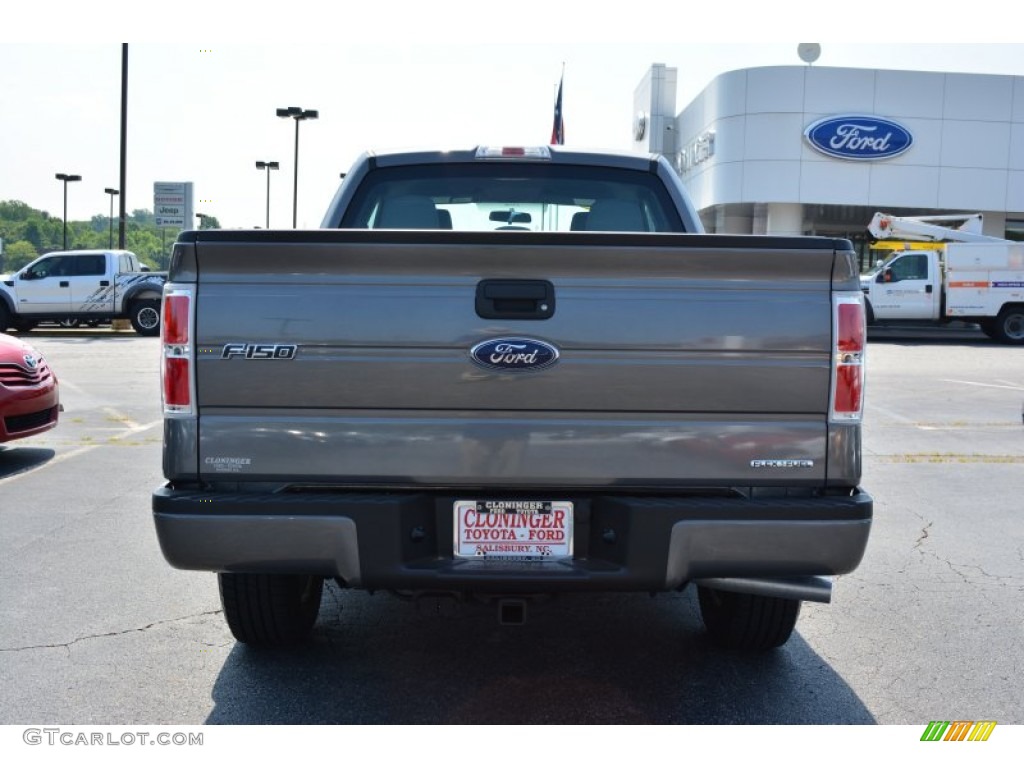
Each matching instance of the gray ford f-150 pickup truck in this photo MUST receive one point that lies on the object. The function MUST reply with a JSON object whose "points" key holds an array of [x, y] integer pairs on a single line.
{"points": [[511, 372]]}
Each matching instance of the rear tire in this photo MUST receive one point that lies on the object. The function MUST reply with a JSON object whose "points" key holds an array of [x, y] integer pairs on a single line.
{"points": [[747, 622], [1010, 325], [270, 610], [988, 327], [145, 317], [5, 318]]}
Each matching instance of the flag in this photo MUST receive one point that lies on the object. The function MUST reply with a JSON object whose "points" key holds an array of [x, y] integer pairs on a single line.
{"points": [[558, 129]]}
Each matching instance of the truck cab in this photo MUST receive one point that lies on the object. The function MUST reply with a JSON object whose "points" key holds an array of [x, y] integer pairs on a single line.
{"points": [[907, 286], [61, 282]]}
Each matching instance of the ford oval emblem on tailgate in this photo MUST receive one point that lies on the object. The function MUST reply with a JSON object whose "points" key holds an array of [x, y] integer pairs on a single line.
{"points": [[514, 354]]}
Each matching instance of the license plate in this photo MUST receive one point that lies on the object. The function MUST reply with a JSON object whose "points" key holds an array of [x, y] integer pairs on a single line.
{"points": [[513, 530]]}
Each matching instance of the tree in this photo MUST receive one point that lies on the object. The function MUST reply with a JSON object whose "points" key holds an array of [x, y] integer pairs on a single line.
{"points": [[43, 233], [17, 255], [143, 217], [15, 210], [209, 222]]}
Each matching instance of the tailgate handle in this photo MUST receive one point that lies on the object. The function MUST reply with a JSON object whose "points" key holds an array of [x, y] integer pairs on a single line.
{"points": [[515, 299]]}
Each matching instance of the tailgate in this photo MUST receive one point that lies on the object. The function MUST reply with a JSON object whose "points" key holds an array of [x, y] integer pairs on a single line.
{"points": [[681, 359]]}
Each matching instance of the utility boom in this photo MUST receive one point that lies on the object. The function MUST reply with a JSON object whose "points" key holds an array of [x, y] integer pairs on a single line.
{"points": [[934, 229]]}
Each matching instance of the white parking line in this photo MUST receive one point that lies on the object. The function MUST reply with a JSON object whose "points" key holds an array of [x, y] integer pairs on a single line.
{"points": [[982, 384], [891, 414]]}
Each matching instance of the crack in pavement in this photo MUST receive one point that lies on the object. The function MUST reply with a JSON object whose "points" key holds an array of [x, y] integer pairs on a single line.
{"points": [[67, 646], [957, 568], [923, 536], [1000, 580]]}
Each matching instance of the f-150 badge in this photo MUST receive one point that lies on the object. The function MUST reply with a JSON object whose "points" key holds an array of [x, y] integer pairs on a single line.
{"points": [[514, 354], [259, 351]]}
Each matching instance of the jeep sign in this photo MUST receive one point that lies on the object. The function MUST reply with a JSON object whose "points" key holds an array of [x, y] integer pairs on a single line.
{"points": [[172, 204]]}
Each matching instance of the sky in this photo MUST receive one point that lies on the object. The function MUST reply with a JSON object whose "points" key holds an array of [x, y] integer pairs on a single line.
{"points": [[203, 87]]}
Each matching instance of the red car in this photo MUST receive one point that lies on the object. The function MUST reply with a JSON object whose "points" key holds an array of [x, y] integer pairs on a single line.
{"points": [[29, 396]]}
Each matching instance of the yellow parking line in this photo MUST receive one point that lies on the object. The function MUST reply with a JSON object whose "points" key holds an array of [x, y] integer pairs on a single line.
{"points": [[79, 451]]}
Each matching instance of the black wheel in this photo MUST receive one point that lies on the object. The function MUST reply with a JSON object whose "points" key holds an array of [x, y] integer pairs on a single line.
{"points": [[69, 322], [1010, 325], [988, 327], [24, 326], [747, 622], [145, 317], [270, 610], [870, 312], [5, 318]]}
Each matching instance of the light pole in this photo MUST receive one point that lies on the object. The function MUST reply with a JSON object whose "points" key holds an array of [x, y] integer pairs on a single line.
{"points": [[298, 114], [66, 177], [270, 165], [123, 186], [112, 192]]}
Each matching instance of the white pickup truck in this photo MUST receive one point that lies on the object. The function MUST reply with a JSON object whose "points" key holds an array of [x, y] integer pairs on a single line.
{"points": [[90, 286]]}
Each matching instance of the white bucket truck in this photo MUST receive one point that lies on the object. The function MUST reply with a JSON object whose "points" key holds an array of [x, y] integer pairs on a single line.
{"points": [[968, 276]]}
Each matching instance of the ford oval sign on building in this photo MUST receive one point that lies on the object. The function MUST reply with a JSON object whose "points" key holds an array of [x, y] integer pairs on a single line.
{"points": [[514, 354], [859, 137]]}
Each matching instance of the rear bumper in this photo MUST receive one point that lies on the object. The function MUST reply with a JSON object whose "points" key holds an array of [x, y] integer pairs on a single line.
{"points": [[404, 540]]}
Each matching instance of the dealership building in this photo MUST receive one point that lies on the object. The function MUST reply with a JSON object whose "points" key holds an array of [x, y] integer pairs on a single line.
{"points": [[818, 150]]}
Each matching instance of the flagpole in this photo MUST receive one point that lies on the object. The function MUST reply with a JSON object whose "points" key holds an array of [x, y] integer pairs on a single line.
{"points": [[557, 137], [558, 125]]}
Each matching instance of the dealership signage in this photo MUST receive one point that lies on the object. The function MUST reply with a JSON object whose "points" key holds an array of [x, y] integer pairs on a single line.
{"points": [[700, 150], [172, 204], [858, 137]]}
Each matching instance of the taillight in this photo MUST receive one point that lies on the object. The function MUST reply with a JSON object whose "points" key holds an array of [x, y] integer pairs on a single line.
{"points": [[176, 316], [177, 372], [848, 358]]}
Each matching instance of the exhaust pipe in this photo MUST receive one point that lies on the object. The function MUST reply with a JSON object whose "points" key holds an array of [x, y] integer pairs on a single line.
{"points": [[511, 612], [817, 589]]}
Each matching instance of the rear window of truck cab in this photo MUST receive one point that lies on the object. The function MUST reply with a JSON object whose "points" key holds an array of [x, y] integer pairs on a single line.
{"points": [[536, 197]]}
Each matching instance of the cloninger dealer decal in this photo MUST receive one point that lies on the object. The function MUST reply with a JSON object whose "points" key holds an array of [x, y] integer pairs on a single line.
{"points": [[228, 463]]}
